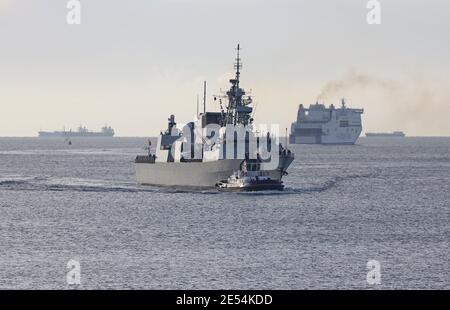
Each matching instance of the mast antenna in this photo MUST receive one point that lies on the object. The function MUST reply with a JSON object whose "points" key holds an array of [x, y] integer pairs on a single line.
{"points": [[197, 105], [238, 64], [204, 97]]}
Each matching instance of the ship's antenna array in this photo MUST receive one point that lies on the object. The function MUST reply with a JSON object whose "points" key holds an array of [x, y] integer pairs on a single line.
{"points": [[238, 65], [204, 97], [197, 105], [254, 109]]}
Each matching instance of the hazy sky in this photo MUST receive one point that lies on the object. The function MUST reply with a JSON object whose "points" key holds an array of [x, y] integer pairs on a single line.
{"points": [[132, 63]]}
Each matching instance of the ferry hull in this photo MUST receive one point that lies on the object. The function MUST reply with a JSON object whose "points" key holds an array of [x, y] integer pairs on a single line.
{"points": [[341, 136]]}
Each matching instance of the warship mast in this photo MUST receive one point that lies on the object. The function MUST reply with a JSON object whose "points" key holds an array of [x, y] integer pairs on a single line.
{"points": [[238, 109]]}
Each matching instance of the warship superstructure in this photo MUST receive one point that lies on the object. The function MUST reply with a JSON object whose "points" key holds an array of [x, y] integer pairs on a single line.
{"points": [[197, 156], [321, 125], [82, 131]]}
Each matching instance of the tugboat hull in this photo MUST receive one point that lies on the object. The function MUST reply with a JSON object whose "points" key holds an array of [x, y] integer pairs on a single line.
{"points": [[266, 186]]}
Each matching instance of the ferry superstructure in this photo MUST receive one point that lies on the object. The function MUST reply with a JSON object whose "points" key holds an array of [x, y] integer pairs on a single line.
{"points": [[319, 124]]}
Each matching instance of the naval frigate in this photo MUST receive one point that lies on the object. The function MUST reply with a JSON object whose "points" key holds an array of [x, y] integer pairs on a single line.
{"points": [[321, 125], [174, 163]]}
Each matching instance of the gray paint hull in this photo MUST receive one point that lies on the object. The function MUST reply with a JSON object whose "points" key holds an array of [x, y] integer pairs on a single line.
{"points": [[195, 174]]}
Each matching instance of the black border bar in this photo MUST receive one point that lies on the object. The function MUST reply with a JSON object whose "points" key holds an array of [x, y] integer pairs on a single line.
{"points": [[152, 298]]}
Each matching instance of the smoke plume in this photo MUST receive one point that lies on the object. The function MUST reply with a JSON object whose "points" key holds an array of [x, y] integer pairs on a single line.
{"points": [[416, 103], [353, 80]]}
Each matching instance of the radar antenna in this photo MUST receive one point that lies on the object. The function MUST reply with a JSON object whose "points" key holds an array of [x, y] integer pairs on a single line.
{"points": [[238, 109], [238, 65]]}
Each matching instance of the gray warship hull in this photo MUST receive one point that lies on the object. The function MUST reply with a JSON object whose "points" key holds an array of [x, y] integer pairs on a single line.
{"points": [[196, 174]]}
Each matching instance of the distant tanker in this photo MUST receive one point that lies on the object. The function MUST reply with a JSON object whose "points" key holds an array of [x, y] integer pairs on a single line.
{"points": [[107, 131], [385, 134]]}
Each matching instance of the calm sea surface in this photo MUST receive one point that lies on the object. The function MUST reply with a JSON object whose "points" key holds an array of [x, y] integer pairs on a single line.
{"points": [[382, 199]]}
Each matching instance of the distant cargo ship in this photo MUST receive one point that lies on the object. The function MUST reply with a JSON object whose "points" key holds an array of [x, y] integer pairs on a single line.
{"points": [[321, 125], [385, 134], [106, 131]]}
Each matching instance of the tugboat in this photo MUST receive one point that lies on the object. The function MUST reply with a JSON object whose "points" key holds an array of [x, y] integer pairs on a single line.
{"points": [[249, 178]]}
